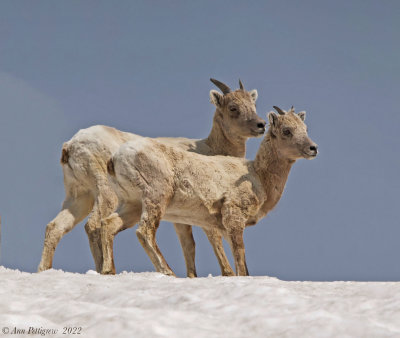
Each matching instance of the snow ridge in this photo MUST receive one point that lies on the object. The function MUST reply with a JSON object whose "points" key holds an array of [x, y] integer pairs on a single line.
{"points": [[151, 304]]}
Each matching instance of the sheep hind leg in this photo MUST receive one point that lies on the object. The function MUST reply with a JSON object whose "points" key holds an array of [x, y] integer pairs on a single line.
{"points": [[74, 210], [146, 233], [188, 245], [111, 226], [105, 204], [215, 238]]}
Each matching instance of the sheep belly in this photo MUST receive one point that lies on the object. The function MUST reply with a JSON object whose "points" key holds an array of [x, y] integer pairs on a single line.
{"points": [[195, 205], [199, 217]]}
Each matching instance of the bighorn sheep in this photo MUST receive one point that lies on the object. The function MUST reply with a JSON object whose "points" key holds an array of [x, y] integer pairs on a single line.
{"points": [[84, 162], [156, 181]]}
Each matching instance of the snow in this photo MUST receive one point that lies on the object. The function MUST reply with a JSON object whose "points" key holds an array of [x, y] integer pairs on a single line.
{"points": [[153, 305]]}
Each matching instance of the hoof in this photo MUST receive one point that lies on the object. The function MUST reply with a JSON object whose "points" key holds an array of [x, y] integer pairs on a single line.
{"points": [[107, 272], [42, 268], [168, 273], [228, 274]]}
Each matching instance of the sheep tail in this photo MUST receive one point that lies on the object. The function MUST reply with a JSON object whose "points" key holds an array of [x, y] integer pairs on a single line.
{"points": [[110, 167], [64, 154]]}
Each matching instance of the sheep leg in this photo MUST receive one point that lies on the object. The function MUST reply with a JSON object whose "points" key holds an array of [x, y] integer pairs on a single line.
{"points": [[112, 225], [108, 227], [188, 245], [237, 245], [105, 204], [146, 233], [74, 210], [215, 238], [93, 235], [234, 224]]}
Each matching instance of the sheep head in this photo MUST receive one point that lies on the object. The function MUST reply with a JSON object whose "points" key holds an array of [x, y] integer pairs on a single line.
{"points": [[236, 111], [289, 134]]}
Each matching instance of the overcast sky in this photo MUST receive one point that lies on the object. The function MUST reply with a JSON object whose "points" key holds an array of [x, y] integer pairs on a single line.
{"points": [[144, 67]]}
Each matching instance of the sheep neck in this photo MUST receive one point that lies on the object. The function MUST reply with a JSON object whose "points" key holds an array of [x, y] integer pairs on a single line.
{"points": [[272, 169], [221, 143]]}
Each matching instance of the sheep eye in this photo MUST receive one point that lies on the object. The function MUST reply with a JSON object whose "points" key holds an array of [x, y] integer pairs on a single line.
{"points": [[286, 132], [232, 109]]}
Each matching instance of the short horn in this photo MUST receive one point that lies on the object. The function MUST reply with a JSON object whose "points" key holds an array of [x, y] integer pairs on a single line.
{"points": [[291, 110], [279, 110], [224, 88], [241, 85]]}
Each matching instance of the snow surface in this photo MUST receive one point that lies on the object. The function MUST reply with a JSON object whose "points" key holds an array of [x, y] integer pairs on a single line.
{"points": [[153, 305]]}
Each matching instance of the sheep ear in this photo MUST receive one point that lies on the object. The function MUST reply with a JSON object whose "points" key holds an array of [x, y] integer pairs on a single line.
{"points": [[216, 98], [302, 115], [254, 94], [272, 118]]}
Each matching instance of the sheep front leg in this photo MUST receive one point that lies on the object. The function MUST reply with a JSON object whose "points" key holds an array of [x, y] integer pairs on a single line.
{"points": [[188, 245], [215, 238], [237, 246], [146, 233], [234, 223]]}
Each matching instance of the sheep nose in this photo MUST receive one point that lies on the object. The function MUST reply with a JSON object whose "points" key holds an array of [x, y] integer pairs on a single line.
{"points": [[314, 148], [261, 125]]}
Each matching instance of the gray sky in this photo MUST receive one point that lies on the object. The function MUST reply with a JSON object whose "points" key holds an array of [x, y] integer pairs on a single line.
{"points": [[145, 66]]}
